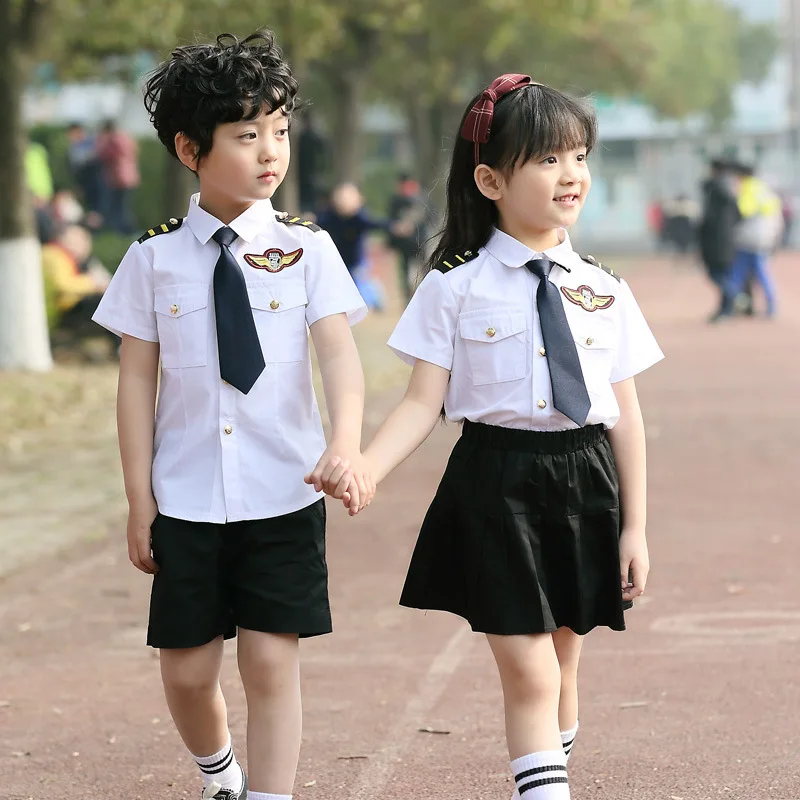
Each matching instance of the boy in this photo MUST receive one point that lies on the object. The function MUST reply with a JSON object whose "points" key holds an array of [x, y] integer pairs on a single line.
{"points": [[219, 512]]}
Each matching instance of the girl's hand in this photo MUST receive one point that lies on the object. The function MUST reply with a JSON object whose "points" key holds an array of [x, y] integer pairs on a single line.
{"points": [[140, 519], [348, 498], [633, 560], [336, 474]]}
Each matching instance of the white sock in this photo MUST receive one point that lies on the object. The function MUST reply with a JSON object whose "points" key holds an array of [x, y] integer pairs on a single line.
{"points": [[541, 776], [568, 739], [221, 767], [263, 796]]}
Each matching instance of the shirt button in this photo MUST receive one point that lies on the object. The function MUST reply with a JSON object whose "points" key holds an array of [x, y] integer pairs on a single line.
{"points": [[490, 332], [542, 351], [542, 404], [174, 309], [589, 341], [228, 429], [274, 305]]}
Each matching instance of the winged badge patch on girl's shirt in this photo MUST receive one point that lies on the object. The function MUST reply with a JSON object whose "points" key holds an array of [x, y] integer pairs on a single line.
{"points": [[585, 297]]}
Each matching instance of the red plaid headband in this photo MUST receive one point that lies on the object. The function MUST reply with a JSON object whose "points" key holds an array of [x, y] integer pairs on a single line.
{"points": [[478, 123]]}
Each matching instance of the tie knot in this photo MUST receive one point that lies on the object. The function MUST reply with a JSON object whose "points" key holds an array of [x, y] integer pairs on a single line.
{"points": [[540, 267], [225, 236]]}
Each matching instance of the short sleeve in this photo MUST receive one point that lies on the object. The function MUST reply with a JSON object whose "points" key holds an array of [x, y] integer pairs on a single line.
{"points": [[638, 348], [128, 304], [427, 329], [329, 287]]}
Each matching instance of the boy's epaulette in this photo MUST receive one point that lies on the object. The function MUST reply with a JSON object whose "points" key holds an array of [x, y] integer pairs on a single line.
{"points": [[283, 216], [453, 261], [595, 263], [166, 227]]}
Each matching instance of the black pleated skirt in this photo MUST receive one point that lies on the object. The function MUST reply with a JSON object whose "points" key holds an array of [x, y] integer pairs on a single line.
{"points": [[523, 534]]}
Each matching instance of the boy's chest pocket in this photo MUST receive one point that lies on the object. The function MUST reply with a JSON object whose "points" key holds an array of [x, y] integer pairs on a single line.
{"points": [[496, 343], [182, 317], [279, 312]]}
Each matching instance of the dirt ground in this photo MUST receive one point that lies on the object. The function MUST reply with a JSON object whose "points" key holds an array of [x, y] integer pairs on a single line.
{"points": [[698, 699]]}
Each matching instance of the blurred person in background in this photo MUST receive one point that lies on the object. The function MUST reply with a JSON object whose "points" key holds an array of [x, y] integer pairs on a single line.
{"points": [[77, 281], [86, 169], [119, 155], [716, 231], [40, 184], [757, 235], [655, 222], [408, 216], [348, 224], [680, 226]]}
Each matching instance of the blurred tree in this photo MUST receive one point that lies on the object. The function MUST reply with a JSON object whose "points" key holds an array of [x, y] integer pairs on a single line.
{"points": [[652, 48], [24, 342]]}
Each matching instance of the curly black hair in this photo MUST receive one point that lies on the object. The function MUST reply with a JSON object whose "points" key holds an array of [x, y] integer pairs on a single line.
{"points": [[202, 86]]}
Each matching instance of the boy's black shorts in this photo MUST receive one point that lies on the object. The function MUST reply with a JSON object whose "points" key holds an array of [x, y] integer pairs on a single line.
{"points": [[264, 575]]}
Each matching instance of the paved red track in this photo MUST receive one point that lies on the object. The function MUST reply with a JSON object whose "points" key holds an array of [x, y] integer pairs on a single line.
{"points": [[699, 699]]}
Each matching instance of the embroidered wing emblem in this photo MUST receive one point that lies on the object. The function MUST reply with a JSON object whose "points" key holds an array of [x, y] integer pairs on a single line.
{"points": [[274, 259], [585, 297]]}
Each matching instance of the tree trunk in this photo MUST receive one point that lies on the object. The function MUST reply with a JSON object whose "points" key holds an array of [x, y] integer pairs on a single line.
{"points": [[24, 339], [347, 132]]}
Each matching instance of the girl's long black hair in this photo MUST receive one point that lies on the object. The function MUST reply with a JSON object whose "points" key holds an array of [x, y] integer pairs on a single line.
{"points": [[531, 122]]}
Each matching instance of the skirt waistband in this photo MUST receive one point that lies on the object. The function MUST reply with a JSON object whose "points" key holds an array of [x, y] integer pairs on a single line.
{"points": [[545, 442]]}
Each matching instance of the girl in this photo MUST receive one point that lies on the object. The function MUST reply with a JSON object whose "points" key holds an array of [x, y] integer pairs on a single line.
{"points": [[537, 531]]}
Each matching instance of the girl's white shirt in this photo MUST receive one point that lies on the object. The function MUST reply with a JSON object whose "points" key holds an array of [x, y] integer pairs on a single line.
{"points": [[479, 321]]}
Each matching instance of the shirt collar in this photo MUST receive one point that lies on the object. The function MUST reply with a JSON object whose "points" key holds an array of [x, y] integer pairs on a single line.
{"points": [[246, 226], [513, 253]]}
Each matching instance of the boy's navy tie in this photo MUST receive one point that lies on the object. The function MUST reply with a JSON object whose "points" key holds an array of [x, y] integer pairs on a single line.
{"points": [[566, 376], [241, 359]]}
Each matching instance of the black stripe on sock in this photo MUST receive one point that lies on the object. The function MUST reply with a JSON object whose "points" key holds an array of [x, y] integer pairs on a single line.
{"points": [[210, 768], [539, 770], [565, 745], [541, 782], [217, 763]]}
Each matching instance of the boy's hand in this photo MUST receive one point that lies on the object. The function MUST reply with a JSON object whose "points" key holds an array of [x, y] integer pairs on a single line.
{"points": [[633, 560], [140, 519], [336, 474]]}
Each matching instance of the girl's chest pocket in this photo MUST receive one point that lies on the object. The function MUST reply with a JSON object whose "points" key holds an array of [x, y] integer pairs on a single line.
{"points": [[182, 317], [496, 343], [279, 312], [596, 342]]}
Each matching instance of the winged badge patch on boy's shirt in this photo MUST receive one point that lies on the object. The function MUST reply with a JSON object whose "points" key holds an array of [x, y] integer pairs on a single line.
{"points": [[585, 297], [274, 259]]}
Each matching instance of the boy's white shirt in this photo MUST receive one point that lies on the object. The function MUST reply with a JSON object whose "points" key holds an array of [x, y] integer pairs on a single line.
{"points": [[479, 321], [222, 456]]}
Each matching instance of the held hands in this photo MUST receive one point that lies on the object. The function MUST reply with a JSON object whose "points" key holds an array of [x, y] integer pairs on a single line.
{"points": [[634, 561], [344, 476], [140, 519]]}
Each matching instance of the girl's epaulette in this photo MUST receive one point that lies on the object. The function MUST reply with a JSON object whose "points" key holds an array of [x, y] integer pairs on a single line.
{"points": [[595, 263], [446, 264], [283, 216], [166, 227]]}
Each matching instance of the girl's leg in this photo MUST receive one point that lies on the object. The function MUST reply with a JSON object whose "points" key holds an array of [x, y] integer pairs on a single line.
{"points": [[531, 681], [270, 668], [191, 685], [568, 645]]}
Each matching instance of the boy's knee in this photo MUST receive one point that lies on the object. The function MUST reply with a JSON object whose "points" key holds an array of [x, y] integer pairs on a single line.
{"points": [[269, 664], [189, 675]]}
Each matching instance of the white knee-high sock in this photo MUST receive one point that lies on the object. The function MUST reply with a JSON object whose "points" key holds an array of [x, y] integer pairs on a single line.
{"points": [[221, 767], [541, 776], [263, 796], [568, 739]]}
